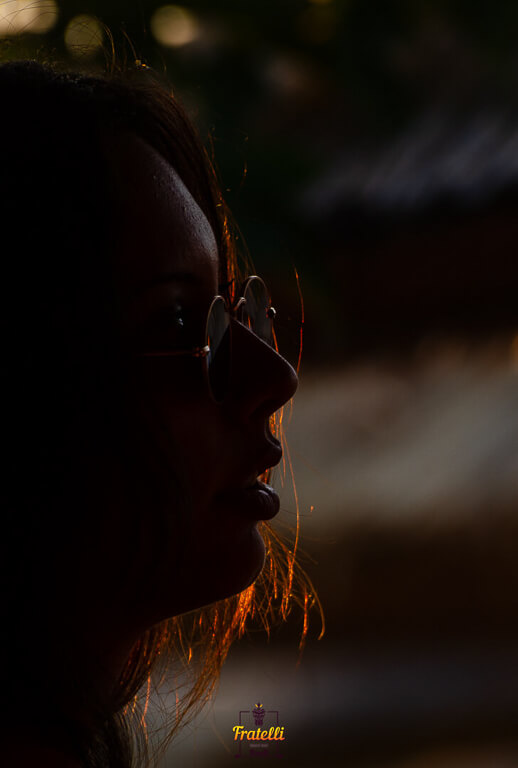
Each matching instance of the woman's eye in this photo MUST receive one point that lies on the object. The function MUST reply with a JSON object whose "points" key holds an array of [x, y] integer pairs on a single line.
{"points": [[175, 325], [174, 320], [167, 327]]}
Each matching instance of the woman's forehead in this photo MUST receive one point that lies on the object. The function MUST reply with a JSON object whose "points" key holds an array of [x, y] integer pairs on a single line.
{"points": [[161, 228]]}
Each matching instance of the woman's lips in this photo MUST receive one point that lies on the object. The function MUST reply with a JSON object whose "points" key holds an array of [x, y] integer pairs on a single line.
{"points": [[259, 501], [253, 498]]}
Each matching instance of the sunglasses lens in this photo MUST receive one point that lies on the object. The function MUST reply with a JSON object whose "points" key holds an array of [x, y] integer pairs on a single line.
{"points": [[218, 341], [256, 313]]}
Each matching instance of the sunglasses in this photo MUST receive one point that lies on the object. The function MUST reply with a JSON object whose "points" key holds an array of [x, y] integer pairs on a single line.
{"points": [[252, 308]]}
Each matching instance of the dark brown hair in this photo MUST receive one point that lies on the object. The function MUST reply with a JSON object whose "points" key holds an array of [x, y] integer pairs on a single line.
{"points": [[61, 372]]}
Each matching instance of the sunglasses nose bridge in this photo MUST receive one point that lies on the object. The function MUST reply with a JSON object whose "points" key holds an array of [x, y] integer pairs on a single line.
{"points": [[237, 306]]}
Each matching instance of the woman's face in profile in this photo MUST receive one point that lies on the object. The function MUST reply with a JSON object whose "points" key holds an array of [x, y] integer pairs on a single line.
{"points": [[167, 271]]}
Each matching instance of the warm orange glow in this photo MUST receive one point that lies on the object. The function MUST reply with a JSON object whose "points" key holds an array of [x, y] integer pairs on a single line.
{"points": [[275, 342], [200, 641], [146, 705], [293, 554]]}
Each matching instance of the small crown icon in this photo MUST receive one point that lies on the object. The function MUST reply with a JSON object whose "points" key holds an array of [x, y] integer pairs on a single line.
{"points": [[258, 713]]}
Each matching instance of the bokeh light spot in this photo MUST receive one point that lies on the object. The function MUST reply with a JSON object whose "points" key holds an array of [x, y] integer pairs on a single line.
{"points": [[175, 26], [33, 16], [84, 36], [318, 23]]}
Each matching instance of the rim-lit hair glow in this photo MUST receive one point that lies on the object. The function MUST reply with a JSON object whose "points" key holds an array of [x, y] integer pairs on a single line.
{"points": [[135, 101]]}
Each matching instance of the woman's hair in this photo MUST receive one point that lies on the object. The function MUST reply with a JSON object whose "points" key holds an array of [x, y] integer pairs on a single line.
{"points": [[62, 377]]}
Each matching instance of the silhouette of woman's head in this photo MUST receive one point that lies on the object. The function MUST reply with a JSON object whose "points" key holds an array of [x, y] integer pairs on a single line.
{"points": [[133, 440]]}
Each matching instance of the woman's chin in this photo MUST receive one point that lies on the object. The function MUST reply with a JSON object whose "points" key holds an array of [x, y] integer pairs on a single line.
{"points": [[224, 571], [236, 568]]}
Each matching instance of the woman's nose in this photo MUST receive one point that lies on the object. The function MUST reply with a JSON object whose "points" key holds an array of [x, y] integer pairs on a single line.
{"points": [[261, 380]]}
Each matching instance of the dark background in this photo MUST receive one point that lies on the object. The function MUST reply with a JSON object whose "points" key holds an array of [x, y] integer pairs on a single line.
{"points": [[335, 127], [372, 146]]}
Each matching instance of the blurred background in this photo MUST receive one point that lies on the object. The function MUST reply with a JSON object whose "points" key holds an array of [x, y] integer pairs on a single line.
{"points": [[371, 146]]}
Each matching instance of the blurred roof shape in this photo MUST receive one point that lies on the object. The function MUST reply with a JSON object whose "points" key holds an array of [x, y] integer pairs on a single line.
{"points": [[444, 160]]}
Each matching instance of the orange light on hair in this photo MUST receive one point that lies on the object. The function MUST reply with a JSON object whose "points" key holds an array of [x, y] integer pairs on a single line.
{"points": [[146, 705], [200, 641]]}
